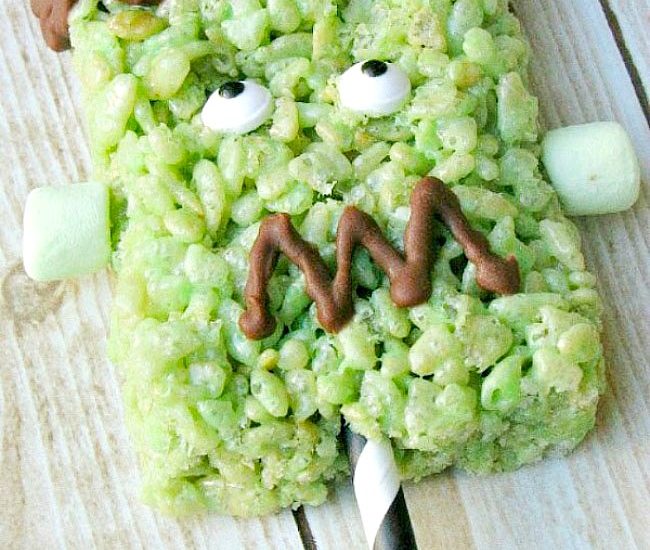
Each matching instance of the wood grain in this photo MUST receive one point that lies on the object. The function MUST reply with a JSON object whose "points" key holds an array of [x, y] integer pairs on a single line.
{"points": [[337, 524], [70, 477], [633, 19]]}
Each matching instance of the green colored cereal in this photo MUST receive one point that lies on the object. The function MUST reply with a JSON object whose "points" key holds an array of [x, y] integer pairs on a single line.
{"points": [[434, 349], [501, 389], [135, 25], [244, 427], [167, 73], [270, 392]]}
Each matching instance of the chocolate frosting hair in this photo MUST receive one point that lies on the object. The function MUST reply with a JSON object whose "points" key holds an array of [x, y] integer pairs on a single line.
{"points": [[409, 274], [53, 17]]}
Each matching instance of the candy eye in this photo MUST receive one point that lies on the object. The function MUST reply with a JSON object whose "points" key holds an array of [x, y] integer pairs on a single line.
{"points": [[237, 107], [374, 88]]}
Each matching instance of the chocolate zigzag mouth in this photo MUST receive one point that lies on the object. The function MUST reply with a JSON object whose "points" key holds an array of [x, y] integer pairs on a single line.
{"points": [[409, 273]]}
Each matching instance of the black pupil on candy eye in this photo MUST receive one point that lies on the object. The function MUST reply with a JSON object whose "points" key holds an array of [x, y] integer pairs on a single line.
{"points": [[232, 89], [374, 68]]}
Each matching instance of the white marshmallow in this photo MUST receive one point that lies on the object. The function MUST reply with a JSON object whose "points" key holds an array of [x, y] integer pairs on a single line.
{"points": [[66, 231], [374, 96], [593, 168], [240, 114]]}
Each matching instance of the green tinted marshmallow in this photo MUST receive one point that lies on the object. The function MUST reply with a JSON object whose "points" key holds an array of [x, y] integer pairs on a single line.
{"points": [[563, 241], [110, 110], [293, 355], [135, 25], [459, 134], [239, 347], [500, 390], [167, 73], [66, 231], [211, 375], [517, 110], [248, 31], [389, 319], [483, 203], [551, 370], [485, 340], [384, 401], [395, 360], [357, 346], [580, 343], [435, 349], [338, 387], [270, 392], [433, 415], [478, 45], [303, 393]]}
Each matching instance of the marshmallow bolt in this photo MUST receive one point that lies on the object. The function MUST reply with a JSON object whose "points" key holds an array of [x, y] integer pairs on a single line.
{"points": [[66, 231], [593, 168]]}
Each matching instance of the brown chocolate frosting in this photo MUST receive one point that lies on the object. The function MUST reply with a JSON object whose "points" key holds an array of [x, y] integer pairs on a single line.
{"points": [[409, 274], [53, 16]]}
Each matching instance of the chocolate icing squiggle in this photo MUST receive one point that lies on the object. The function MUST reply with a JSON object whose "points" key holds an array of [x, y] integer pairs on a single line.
{"points": [[409, 274], [53, 17]]}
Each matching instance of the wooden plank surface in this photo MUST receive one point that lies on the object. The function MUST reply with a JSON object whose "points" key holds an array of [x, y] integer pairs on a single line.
{"points": [[632, 18], [69, 475]]}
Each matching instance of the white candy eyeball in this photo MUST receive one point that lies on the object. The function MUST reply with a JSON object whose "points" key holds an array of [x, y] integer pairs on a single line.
{"points": [[237, 107], [374, 88]]}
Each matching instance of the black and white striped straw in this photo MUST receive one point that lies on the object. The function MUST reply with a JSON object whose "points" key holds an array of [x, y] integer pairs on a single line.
{"points": [[379, 495]]}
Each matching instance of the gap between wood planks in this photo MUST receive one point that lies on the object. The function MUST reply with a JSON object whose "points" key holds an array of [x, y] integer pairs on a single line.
{"points": [[630, 66], [621, 44]]}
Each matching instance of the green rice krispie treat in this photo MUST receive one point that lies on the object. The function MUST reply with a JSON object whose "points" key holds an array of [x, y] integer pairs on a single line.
{"points": [[210, 119]]}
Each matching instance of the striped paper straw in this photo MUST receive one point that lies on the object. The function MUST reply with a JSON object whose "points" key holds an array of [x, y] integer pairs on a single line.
{"points": [[379, 495]]}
